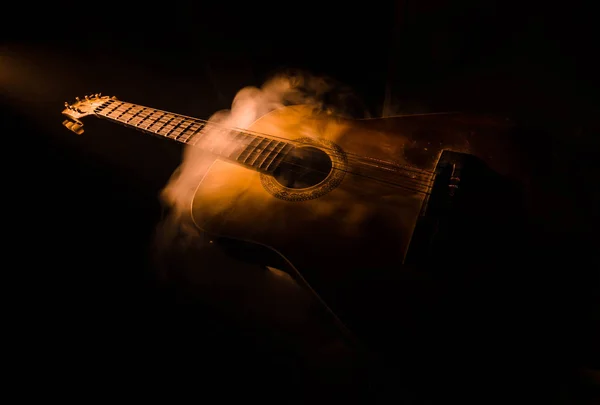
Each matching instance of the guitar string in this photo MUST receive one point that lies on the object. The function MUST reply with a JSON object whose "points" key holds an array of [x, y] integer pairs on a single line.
{"points": [[352, 161], [233, 128], [415, 182], [203, 124]]}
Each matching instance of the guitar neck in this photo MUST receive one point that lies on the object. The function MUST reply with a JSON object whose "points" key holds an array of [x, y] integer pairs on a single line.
{"points": [[258, 152]]}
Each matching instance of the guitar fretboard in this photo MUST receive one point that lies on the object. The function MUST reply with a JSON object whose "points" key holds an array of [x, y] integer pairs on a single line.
{"points": [[255, 151]]}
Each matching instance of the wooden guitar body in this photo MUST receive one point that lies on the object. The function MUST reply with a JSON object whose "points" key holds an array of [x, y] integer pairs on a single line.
{"points": [[346, 223], [354, 227]]}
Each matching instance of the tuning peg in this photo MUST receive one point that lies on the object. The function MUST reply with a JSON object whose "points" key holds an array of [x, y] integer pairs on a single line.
{"points": [[87, 97], [73, 126], [99, 94], [77, 98], [67, 104], [77, 128]]}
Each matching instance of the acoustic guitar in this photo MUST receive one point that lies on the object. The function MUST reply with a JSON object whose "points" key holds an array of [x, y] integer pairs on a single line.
{"points": [[344, 202]]}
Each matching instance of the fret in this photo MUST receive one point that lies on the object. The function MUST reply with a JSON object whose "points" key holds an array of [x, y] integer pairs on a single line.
{"points": [[122, 107], [237, 145], [117, 113], [117, 105], [126, 116], [148, 120], [152, 118], [156, 118], [165, 121], [201, 136], [165, 124], [255, 140], [159, 123], [264, 165], [173, 127], [109, 107], [140, 109], [192, 133], [101, 107], [143, 116], [127, 109], [280, 156], [183, 129], [258, 151], [244, 144], [265, 153], [113, 112]]}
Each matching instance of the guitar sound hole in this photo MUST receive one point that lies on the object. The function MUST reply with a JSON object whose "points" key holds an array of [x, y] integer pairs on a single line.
{"points": [[303, 167]]}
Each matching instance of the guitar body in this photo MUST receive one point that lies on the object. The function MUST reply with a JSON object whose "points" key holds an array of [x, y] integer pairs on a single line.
{"points": [[356, 225]]}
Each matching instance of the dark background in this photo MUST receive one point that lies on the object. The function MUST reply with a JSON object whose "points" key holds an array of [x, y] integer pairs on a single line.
{"points": [[84, 209]]}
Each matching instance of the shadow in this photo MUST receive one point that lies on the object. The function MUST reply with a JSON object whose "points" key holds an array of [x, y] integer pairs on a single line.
{"points": [[473, 313]]}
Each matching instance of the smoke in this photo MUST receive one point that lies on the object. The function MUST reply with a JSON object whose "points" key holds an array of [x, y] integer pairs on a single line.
{"points": [[249, 104], [184, 256]]}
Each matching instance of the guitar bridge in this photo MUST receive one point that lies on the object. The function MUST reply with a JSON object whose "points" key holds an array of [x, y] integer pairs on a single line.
{"points": [[455, 173]]}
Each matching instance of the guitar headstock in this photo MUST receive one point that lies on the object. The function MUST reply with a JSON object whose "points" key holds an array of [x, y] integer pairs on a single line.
{"points": [[82, 108]]}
